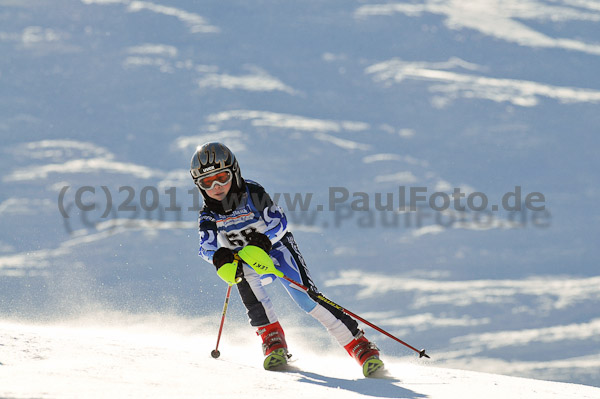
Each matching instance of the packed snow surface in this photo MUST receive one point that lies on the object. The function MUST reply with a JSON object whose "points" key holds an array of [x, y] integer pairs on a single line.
{"points": [[143, 357]]}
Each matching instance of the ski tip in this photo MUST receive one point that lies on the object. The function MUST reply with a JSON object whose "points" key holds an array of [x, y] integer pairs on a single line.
{"points": [[423, 354], [372, 367], [276, 360]]}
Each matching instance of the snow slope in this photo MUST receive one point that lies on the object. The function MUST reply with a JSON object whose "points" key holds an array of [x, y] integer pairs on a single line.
{"points": [[161, 357]]}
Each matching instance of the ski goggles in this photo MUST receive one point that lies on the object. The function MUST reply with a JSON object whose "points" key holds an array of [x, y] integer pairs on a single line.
{"points": [[208, 182]]}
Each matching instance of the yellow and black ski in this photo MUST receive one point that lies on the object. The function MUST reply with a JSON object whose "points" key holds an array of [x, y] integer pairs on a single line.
{"points": [[276, 359], [371, 366]]}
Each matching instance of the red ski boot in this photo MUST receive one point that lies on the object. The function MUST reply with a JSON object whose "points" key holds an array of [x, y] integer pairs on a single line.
{"points": [[274, 345], [365, 353]]}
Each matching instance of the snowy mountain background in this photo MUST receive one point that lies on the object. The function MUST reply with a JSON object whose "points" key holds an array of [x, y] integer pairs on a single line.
{"points": [[484, 96]]}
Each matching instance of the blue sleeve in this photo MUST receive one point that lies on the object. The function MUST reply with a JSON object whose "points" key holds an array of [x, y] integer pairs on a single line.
{"points": [[271, 213], [208, 236], [276, 222]]}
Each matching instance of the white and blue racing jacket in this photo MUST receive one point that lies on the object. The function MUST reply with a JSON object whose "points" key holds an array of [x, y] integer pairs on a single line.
{"points": [[255, 212]]}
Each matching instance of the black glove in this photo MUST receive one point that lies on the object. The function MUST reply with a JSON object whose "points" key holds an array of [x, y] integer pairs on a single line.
{"points": [[222, 255], [260, 240]]}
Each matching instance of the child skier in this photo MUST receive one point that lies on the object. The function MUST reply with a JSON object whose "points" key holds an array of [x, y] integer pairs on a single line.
{"points": [[237, 213]]}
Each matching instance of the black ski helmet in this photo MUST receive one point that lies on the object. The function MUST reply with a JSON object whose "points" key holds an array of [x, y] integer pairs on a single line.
{"points": [[212, 157]]}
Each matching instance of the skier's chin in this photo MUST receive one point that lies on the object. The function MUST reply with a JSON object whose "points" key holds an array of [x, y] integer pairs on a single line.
{"points": [[219, 197]]}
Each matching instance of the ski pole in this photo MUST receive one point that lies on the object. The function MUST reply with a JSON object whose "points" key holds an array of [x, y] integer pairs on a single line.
{"points": [[215, 353], [322, 299]]}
